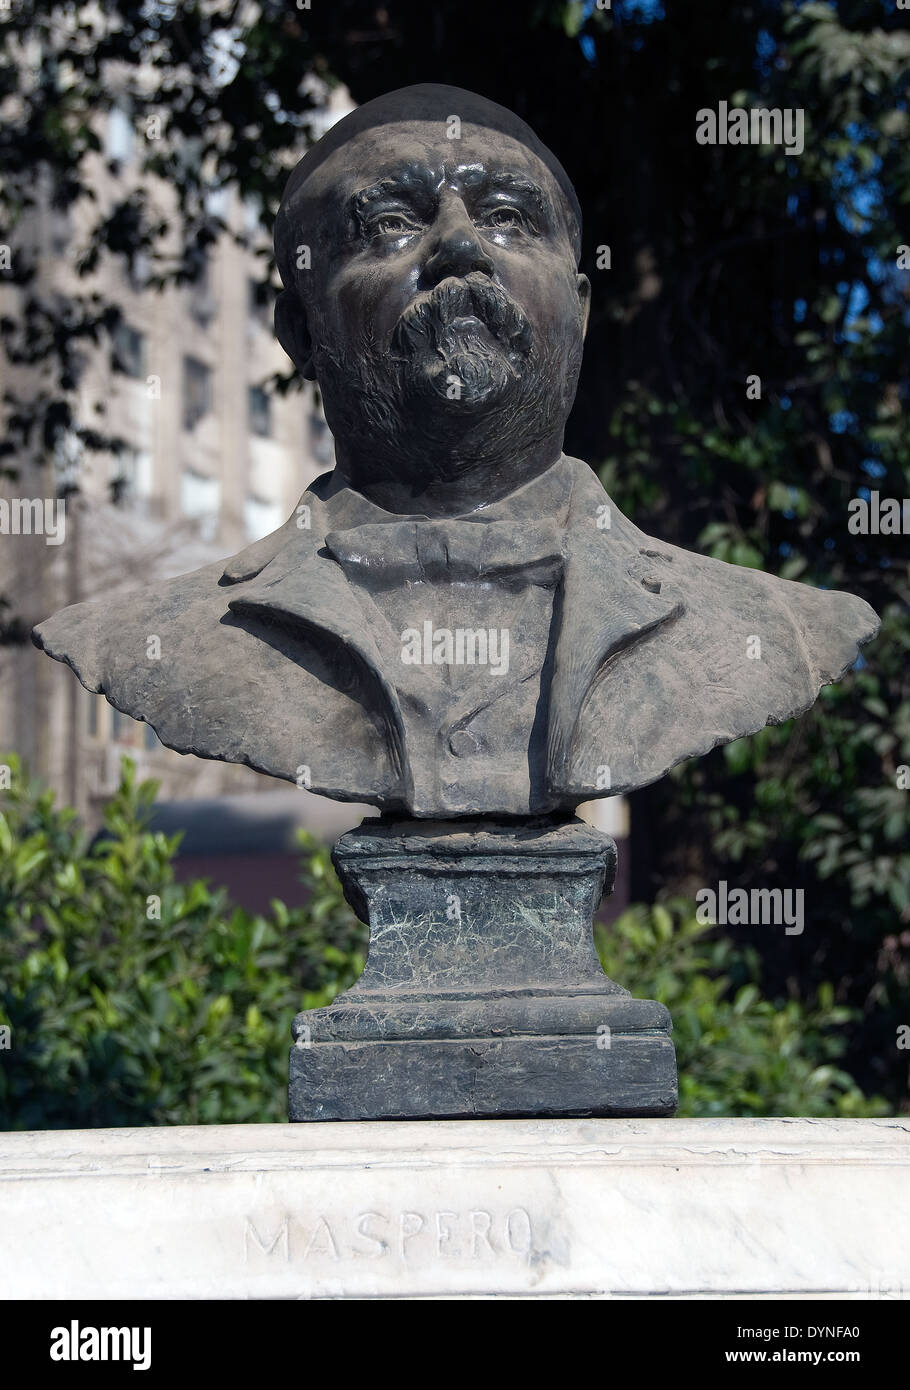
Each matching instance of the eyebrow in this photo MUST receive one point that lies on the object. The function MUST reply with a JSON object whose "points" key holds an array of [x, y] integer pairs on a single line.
{"points": [[418, 185], [503, 181], [409, 184]]}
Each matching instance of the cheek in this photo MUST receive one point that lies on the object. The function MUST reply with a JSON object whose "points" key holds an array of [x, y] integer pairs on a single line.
{"points": [[368, 301], [546, 292]]}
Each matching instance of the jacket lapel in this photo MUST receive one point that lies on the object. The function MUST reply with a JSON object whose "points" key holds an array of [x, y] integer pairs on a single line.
{"points": [[615, 592], [312, 592]]}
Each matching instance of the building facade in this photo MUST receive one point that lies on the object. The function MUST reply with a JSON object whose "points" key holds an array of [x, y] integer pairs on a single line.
{"points": [[212, 460]]}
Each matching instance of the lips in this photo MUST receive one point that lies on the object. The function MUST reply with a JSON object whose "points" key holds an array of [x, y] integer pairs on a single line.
{"points": [[474, 299]]}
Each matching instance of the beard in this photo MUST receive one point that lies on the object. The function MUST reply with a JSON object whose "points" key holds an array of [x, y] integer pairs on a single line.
{"points": [[464, 386]]}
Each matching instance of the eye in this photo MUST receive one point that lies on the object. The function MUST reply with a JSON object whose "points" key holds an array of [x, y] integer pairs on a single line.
{"points": [[504, 218], [391, 224]]}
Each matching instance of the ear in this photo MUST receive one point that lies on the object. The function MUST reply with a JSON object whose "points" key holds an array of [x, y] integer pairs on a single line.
{"points": [[583, 285], [293, 333]]}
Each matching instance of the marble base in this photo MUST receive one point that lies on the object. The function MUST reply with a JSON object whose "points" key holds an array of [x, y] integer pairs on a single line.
{"points": [[482, 994], [478, 1209]]}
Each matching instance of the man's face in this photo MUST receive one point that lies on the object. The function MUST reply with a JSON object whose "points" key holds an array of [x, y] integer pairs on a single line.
{"points": [[443, 290]]}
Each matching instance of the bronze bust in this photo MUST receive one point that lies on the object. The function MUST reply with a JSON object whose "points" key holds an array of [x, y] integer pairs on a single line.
{"points": [[456, 620]]}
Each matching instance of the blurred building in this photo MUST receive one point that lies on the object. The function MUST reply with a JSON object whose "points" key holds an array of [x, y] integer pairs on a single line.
{"points": [[212, 461]]}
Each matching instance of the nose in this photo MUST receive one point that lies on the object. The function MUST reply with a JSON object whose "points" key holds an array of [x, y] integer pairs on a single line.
{"points": [[455, 248]]}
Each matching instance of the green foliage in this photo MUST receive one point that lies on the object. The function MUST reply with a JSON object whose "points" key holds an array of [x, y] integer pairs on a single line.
{"points": [[739, 1053], [119, 1017]]}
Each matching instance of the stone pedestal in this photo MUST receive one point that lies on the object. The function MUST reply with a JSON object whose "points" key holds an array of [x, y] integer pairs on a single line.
{"points": [[483, 994], [630, 1209]]}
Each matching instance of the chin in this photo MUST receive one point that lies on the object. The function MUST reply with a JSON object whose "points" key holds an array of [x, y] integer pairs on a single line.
{"points": [[463, 380], [476, 395]]}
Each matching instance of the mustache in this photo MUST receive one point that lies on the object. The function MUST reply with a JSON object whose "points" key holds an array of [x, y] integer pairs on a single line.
{"points": [[429, 314]]}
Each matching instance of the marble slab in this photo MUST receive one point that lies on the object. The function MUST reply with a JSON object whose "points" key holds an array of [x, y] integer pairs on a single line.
{"points": [[649, 1208]]}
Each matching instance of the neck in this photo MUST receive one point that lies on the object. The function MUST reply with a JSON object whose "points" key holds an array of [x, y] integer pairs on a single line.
{"points": [[453, 485]]}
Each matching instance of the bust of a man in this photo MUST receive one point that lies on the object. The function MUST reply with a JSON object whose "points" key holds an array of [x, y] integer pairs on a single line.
{"points": [[456, 620]]}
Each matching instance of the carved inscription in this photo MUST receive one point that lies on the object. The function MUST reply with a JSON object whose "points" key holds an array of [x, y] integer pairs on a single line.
{"points": [[406, 1235]]}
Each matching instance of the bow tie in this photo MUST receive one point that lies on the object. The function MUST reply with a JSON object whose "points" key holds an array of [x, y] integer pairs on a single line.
{"points": [[391, 552]]}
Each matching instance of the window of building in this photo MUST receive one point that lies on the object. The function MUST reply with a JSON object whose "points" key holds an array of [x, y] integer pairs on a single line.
{"points": [[252, 212], [128, 354], [128, 732], [217, 202], [197, 391], [131, 477], [261, 299], [120, 135], [68, 452], [78, 362], [140, 270], [321, 437], [198, 267], [261, 518], [61, 233], [200, 500], [201, 297], [260, 407]]}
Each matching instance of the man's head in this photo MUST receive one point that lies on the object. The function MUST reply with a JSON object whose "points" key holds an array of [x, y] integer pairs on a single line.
{"points": [[429, 245]]}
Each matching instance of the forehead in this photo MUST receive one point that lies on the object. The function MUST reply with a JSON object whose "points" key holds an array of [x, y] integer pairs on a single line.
{"points": [[421, 154]]}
